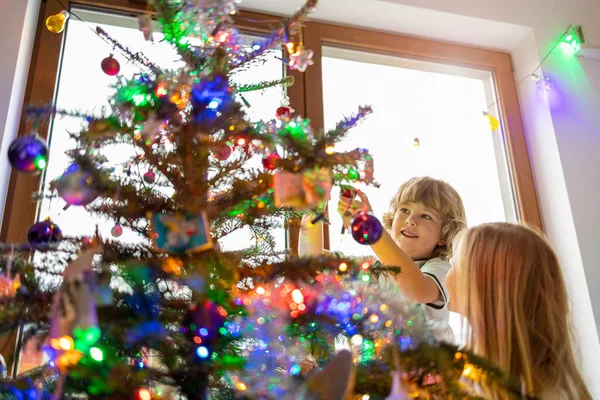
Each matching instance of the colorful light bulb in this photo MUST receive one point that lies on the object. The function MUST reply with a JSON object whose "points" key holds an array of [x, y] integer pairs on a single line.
{"points": [[56, 23]]}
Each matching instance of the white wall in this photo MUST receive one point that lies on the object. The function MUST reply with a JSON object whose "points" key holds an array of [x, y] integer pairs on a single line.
{"points": [[16, 42]]}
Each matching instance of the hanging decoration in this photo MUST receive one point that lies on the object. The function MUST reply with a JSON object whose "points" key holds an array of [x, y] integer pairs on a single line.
{"points": [[116, 230], [56, 23], [76, 186], [110, 66], [74, 320], [178, 233], [28, 154], [145, 24], [8, 284], [366, 228], [301, 59], [44, 234], [494, 123], [302, 191]]}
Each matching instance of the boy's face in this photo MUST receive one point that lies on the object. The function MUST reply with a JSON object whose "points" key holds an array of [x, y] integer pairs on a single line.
{"points": [[417, 229]]}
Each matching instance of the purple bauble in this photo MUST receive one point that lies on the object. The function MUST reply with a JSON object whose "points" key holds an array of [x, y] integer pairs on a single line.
{"points": [[76, 186], [28, 154], [366, 228], [44, 234]]}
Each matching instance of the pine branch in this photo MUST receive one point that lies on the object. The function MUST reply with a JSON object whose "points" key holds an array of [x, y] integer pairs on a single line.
{"points": [[136, 58], [285, 82]]}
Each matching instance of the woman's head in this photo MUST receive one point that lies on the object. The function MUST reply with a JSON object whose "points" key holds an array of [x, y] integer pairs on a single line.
{"points": [[433, 198], [507, 282]]}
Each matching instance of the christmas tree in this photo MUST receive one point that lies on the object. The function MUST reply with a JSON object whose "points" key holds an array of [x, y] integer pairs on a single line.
{"points": [[175, 316]]}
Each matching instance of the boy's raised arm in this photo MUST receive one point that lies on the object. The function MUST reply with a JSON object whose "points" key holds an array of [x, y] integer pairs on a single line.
{"points": [[412, 283]]}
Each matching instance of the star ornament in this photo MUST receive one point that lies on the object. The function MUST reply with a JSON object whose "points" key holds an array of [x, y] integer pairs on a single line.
{"points": [[301, 59]]}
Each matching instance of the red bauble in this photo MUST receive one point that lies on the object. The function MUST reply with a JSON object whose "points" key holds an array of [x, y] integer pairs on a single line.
{"points": [[149, 177], [283, 112], [222, 152], [110, 66], [270, 162]]}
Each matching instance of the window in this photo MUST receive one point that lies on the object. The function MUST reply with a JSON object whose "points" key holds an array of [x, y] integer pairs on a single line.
{"points": [[427, 121]]}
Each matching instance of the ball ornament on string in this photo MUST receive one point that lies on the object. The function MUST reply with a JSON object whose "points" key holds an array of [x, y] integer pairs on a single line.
{"points": [[222, 152], [116, 230], [28, 154], [270, 161], [76, 186], [149, 177], [44, 234], [110, 66], [366, 228], [283, 112]]}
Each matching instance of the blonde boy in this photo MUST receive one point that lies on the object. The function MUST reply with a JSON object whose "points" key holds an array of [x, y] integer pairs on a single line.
{"points": [[425, 216]]}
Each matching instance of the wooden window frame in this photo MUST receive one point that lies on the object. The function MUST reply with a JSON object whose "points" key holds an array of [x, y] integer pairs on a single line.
{"points": [[317, 35]]}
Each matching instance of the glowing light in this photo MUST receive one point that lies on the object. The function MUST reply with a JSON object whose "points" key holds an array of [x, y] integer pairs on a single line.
{"points": [[374, 318], [96, 354], [65, 343], [161, 90], [260, 290], [365, 265], [203, 331], [343, 267], [356, 340], [241, 386], [202, 352], [197, 340], [329, 150], [295, 369], [297, 296], [572, 40], [213, 105], [241, 142], [366, 397], [40, 162], [144, 394]]}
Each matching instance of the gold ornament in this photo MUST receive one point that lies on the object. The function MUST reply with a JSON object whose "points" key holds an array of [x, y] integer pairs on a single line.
{"points": [[56, 23], [494, 123]]}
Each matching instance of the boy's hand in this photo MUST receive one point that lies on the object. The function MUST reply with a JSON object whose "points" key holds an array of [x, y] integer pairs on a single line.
{"points": [[347, 207]]}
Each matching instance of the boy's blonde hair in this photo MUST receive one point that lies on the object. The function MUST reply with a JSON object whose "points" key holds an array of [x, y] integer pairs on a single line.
{"points": [[511, 291], [439, 196]]}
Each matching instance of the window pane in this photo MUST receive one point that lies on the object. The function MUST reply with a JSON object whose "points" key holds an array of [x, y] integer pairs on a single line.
{"points": [[412, 100], [84, 87], [438, 106]]}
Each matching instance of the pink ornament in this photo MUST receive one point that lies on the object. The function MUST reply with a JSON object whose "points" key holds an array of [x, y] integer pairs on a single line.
{"points": [[283, 112], [116, 230], [301, 59]]}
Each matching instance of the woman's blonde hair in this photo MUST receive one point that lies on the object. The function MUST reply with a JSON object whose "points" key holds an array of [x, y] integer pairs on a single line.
{"points": [[439, 196], [513, 296]]}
